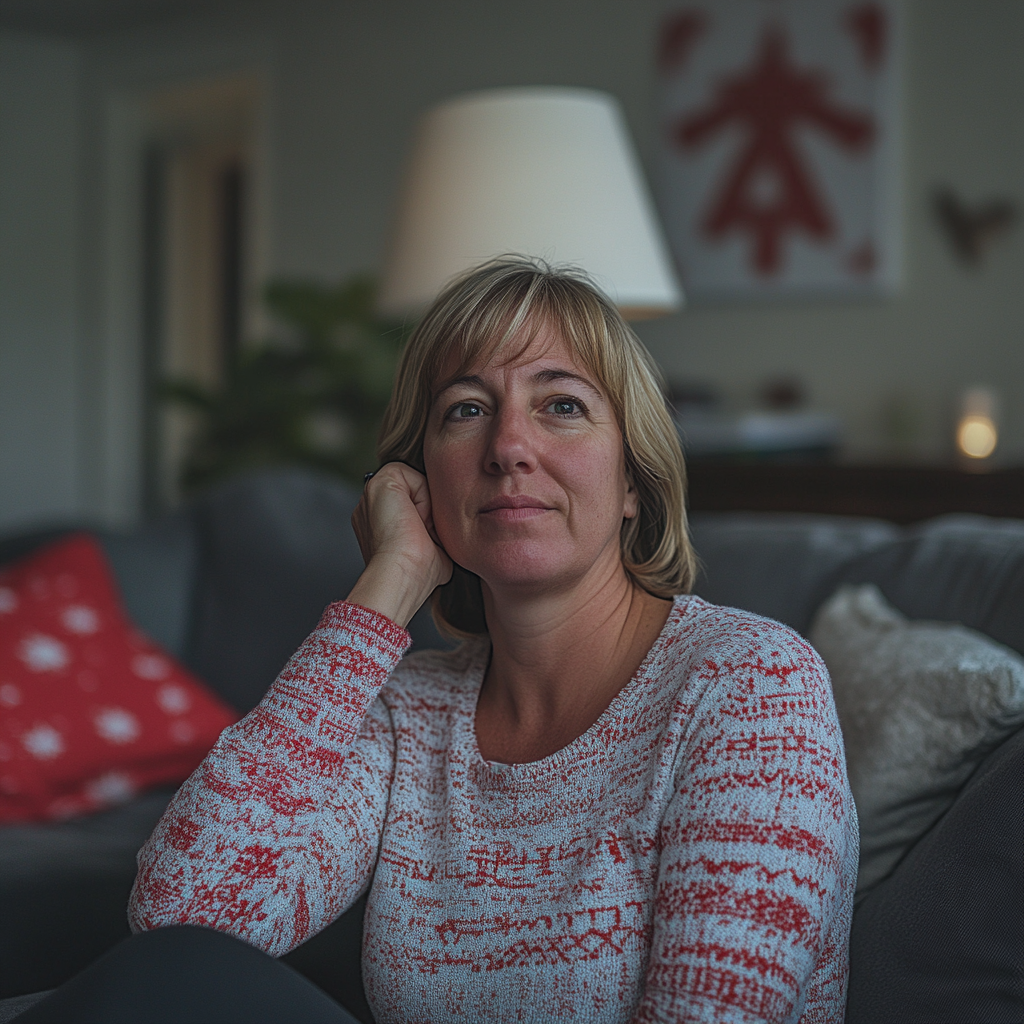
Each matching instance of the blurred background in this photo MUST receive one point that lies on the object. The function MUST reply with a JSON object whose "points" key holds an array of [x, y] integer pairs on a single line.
{"points": [[195, 206]]}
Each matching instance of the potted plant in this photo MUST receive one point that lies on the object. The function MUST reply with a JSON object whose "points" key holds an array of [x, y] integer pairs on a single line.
{"points": [[312, 397]]}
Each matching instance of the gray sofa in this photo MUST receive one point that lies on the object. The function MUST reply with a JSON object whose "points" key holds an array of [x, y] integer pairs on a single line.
{"points": [[232, 584]]}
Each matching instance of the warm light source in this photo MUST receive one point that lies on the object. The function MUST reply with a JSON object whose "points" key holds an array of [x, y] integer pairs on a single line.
{"points": [[977, 436], [976, 432], [542, 172]]}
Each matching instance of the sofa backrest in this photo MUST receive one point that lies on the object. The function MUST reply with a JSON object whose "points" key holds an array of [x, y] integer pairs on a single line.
{"points": [[274, 549], [156, 568], [967, 569], [778, 565], [237, 578]]}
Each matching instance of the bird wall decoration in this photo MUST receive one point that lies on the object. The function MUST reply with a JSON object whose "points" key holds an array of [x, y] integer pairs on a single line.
{"points": [[972, 228]]}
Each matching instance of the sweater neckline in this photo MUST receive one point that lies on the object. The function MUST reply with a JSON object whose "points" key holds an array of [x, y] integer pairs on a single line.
{"points": [[509, 775]]}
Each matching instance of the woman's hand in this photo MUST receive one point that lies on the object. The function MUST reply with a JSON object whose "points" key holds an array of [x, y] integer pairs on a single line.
{"points": [[404, 561]]}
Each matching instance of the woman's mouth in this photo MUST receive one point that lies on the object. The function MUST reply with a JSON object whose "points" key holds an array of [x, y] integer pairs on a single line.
{"points": [[514, 507]]}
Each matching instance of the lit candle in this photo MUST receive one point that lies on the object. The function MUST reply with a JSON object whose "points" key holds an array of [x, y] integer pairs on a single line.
{"points": [[976, 432]]}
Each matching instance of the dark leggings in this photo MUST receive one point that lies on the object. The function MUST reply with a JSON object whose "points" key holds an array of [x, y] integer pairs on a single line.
{"points": [[186, 974]]}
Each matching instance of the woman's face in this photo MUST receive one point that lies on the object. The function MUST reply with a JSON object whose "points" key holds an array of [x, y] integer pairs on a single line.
{"points": [[526, 470]]}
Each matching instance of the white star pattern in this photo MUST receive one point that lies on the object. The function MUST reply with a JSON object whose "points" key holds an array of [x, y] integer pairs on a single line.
{"points": [[10, 695], [150, 666], [80, 619], [42, 653], [173, 700], [111, 788], [43, 742], [116, 725], [8, 600]]}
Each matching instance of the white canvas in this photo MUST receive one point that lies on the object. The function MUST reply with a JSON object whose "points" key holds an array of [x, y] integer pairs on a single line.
{"points": [[780, 170]]}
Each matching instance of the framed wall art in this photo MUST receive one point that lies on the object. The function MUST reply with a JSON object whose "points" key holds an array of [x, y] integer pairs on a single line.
{"points": [[780, 165]]}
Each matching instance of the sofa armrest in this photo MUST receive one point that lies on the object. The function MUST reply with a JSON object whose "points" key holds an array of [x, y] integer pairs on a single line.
{"points": [[942, 939]]}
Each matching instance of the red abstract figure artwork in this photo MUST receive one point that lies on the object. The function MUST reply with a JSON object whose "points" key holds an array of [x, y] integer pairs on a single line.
{"points": [[678, 35], [779, 120], [770, 101], [867, 23]]}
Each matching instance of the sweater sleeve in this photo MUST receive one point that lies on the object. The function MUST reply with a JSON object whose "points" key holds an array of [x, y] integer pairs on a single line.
{"points": [[759, 846], [276, 833]]}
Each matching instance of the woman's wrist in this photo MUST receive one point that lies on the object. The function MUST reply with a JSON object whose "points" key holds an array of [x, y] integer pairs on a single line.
{"points": [[388, 587]]}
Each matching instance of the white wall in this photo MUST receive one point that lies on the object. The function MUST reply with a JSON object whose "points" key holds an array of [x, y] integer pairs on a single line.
{"points": [[39, 428], [345, 81]]}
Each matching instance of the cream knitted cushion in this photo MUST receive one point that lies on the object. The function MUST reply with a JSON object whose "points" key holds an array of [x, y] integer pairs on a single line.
{"points": [[920, 704]]}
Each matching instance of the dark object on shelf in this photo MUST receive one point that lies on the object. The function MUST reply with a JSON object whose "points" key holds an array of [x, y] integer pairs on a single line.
{"points": [[688, 397], [783, 393], [902, 494], [971, 229]]}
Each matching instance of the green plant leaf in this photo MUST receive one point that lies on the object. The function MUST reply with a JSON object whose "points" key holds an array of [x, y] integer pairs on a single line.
{"points": [[314, 398]]}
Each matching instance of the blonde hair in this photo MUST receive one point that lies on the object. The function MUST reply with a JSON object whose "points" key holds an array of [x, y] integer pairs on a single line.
{"points": [[494, 310]]}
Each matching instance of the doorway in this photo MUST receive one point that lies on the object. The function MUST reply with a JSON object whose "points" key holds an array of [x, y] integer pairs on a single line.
{"points": [[200, 189]]}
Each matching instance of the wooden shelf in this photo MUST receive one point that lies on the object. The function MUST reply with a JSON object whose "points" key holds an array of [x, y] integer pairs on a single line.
{"points": [[902, 494]]}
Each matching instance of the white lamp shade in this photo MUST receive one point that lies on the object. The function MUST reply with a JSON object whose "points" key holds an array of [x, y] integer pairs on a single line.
{"points": [[540, 172]]}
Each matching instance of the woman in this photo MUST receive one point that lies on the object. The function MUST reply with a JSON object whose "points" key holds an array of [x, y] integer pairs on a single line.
{"points": [[612, 802]]}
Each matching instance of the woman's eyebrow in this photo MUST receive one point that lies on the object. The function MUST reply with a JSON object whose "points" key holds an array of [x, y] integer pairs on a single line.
{"points": [[553, 375], [548, 376], [467, 380]]}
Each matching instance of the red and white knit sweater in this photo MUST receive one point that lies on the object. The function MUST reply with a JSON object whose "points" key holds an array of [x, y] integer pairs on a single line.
{"points": [[692, 856]]}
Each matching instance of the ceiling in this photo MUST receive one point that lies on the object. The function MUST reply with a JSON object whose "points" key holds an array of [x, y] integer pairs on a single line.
{"points": [[81, 17]]}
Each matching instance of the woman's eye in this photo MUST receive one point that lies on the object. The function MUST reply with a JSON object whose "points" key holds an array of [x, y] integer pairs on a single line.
{"points": [[566, 407], [465, 411]]}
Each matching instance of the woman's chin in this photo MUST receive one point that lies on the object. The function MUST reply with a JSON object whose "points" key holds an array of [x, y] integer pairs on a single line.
{"points": [[519, 571], [532, 577]]}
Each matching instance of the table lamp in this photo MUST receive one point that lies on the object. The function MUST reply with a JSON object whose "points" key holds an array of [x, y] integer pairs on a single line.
{"points": [[542, 172]]}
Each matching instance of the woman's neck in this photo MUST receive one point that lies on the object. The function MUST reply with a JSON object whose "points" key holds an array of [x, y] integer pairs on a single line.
{"points": [[557, 662]]}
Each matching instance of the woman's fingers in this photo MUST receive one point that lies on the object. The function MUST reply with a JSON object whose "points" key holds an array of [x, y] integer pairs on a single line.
{"points": [[421, 500], [392, 511], [395, 530]]}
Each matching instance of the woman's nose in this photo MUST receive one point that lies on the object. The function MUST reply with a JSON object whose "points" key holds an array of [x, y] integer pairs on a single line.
{"points": [[511, 444]]}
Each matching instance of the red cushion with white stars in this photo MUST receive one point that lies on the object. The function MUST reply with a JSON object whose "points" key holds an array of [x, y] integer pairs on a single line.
{"points": [[91, 711]]}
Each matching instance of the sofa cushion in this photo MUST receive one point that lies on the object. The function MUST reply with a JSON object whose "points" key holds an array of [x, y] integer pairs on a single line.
{"points": [[920, 704], [941, 939], [92, 711], [778, 565]]}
